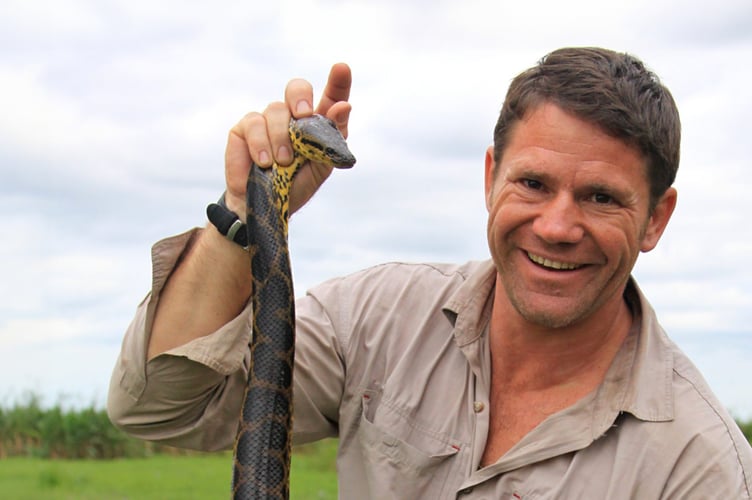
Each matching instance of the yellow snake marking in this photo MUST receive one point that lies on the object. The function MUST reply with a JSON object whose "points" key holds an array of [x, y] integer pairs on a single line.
{"points": [[315, 138]]}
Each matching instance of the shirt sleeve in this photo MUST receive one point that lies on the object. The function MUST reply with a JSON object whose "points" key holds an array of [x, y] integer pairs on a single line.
{"points": [[191, 396], [714, 463]]}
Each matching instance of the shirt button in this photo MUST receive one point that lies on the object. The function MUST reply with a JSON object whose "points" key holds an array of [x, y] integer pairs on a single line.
{"points": [[478, 406]]}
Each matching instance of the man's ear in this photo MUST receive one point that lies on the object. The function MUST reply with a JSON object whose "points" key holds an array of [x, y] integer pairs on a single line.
{"points": [[659, 220], [489, 176]]}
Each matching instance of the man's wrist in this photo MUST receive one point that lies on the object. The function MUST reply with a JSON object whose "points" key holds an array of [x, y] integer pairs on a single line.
{"points": [[227, 222]]}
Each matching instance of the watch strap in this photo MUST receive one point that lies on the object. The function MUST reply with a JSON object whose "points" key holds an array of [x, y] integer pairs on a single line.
{"points": [[227, 222]]}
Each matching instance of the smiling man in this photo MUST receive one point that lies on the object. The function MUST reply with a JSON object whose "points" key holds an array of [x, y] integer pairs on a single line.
{"points": [[569, 211], [541, 373]]}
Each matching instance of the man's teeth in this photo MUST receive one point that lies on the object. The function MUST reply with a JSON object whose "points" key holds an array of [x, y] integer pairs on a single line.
{"points": [[566, 266]]}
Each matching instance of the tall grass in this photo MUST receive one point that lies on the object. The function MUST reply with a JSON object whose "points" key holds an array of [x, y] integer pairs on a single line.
{"points": [[29, 429]]}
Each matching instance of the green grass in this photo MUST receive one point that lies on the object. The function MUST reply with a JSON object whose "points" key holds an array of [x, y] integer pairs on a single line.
{"points": [[159, 477]]}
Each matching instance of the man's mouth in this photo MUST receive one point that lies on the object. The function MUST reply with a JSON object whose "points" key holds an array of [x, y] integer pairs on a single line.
{"points": [[553, 264]]}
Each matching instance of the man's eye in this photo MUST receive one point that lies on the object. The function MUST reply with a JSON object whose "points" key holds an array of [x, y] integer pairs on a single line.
{"points": [[532, 184], [602, 198]]}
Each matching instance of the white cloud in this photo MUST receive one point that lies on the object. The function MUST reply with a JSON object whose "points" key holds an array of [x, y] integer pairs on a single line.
{"points": [[43, 331]]}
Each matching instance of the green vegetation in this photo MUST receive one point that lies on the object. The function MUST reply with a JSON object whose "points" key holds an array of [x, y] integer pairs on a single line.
{"points": [[199, 476], [746, 428], [161, 476], [28, 429], [56, 453]]}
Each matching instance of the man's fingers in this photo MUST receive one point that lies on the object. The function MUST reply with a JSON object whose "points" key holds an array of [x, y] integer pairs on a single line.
{"points": [[340, 113], [263, 138], [277, 117], [299, 92], [299, 97], [248, 142], [252, 127], [337, 87]]}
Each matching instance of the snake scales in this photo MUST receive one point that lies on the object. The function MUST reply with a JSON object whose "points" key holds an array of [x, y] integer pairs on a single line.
{"points": [[262, 447]]}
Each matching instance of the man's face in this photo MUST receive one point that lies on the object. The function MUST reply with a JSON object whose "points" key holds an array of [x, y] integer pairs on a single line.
{"points": [[568, 216]]}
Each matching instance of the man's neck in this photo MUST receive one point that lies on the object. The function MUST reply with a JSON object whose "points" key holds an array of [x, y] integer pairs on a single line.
{"points": [[531, 357], [536, 372]]}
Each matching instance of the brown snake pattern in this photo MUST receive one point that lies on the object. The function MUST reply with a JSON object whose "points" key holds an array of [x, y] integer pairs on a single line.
{"points": [[262, 447]]}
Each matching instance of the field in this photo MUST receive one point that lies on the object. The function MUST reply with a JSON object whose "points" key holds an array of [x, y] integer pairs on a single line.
{"points": [[56, 453], [162, 476]]}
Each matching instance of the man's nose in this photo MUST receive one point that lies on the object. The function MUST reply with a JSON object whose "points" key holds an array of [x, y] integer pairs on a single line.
{"points": [[560, 220]]}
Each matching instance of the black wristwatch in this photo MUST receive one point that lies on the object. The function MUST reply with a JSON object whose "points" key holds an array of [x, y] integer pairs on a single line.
{"points": [[227, 222]]}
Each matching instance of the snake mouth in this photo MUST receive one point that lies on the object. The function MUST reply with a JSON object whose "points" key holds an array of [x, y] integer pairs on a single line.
{"points": [[553, 264], [340, 159]]}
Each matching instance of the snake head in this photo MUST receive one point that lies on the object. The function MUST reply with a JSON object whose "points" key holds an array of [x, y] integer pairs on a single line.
{"points": [[317, 138]]}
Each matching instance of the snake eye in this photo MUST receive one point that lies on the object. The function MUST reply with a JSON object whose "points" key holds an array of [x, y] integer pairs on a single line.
{"points": [[330, 152]]}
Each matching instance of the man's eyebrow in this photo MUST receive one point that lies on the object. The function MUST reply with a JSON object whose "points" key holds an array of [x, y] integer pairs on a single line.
{"points": [[517, 172], [607, 187], [601, 187]]}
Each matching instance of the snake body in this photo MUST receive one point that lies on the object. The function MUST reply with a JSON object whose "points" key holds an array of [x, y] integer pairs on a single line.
{"points": [[262, 447]]}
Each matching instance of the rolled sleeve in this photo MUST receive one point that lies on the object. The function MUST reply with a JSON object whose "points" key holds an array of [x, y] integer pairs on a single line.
{"points": [[189, 396]]}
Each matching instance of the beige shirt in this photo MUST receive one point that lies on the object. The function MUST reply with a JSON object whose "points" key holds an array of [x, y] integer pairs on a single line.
{"points": [[394, 360]]}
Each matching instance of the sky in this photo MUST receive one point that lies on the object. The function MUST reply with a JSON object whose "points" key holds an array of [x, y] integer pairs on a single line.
{"points": [[114, 117]]}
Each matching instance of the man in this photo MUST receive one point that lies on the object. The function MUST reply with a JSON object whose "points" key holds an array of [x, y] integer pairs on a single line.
{"points": [[542, 373]]}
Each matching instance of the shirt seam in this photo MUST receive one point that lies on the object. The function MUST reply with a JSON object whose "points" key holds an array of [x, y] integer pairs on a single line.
{"points": [[435, 266], [725, 425]]}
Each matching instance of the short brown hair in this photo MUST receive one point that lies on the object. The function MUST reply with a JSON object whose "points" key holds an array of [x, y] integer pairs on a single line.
{"points": [[611, 90]]}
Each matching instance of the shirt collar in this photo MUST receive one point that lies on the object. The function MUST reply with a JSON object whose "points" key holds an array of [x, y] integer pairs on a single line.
{"points": [[469, 307], [646, 363], [639, 380]]}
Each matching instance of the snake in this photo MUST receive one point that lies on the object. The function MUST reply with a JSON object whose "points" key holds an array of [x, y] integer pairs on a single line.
{"points": [[262, 449]]}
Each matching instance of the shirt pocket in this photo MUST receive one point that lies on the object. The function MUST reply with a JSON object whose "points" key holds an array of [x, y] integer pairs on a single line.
{"points": [[402, 458]]}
